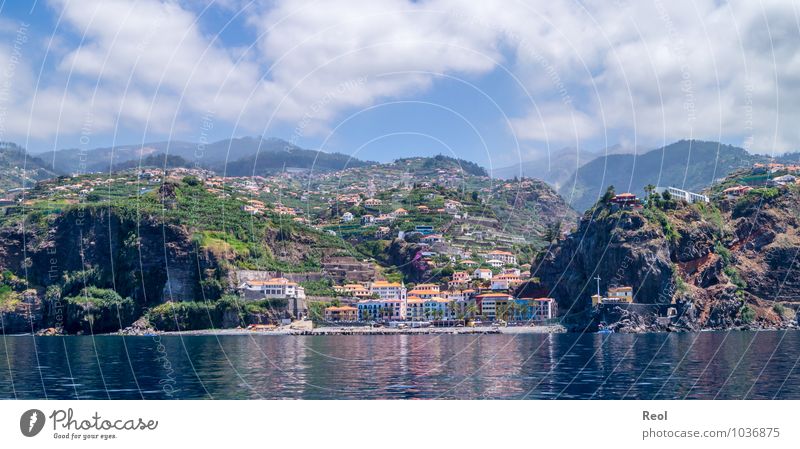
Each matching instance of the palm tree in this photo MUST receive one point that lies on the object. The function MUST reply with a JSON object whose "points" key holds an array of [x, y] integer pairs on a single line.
{"points": [[502, 312], [472, 310], [608, 195], [452, 308], [513, 308], [649, 189]]}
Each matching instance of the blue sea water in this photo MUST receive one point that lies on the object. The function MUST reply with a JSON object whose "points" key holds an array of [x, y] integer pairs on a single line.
{"points": [[708, 365]]}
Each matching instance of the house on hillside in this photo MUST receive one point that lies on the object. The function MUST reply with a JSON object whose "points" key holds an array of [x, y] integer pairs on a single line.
{"points": [[625, 200], [735, 191], [432, 238], [483, 274], [507, 258], [782, 181], [382, 232], [494, 263]]}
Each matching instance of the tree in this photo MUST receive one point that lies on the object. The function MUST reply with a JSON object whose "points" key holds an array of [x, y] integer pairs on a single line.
{"points": [[453, 310], [608, 195], [648, 190], [552, 232], [502, 312], [191, 181], [524, 309]]}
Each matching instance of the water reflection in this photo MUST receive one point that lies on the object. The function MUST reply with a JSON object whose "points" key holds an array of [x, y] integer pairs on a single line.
{"points": [[732, 365]]}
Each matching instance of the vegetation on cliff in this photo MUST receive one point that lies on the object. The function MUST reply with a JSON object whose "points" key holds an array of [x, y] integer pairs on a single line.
{"points": [[97, 265], [730, 262]]}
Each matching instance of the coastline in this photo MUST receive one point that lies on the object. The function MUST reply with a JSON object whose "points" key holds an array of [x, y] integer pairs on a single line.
{"points": [[344, 330], [293, 330]]}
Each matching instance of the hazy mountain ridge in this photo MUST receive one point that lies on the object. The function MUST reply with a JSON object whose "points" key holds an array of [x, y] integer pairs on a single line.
{"points": [[242, 156], [557, 167], [688, 164], [13, 160]]}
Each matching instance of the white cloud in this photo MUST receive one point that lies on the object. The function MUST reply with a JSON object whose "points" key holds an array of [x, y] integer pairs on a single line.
{"points": [[557, 123], [314, 47], [657, 71]]}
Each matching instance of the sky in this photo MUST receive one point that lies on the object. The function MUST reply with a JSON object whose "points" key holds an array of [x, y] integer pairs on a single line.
{"points": [[492, 82]]}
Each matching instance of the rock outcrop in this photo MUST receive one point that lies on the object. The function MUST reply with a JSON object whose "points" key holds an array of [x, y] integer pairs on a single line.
{"points": [[726, 264], [142, 258]]}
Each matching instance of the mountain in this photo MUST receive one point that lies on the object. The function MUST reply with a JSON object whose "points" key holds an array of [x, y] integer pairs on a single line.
{"points": [[13, 159], [107, 159], [723, 264], [276, 157], [243, 154], [687, 164], [428, 165], [557, 167], [553, 168], [160, 160]]}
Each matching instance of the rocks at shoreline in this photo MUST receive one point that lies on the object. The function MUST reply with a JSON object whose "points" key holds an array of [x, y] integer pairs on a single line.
{"points": [[140, 327]]}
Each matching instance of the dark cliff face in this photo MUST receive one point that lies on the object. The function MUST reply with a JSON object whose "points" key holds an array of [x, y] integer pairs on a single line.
{"points": [[622, 249], [725, 264], [408, 258], [141, 258]]}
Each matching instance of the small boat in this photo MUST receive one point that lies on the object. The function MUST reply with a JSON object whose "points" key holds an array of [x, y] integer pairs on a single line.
{"points": [[602, 329]]}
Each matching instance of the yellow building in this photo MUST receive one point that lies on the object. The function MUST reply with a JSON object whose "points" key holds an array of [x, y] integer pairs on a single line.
{"points": [[615, 295], [343, 313]]}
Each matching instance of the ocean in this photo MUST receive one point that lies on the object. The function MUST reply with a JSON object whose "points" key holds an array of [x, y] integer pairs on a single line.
{"points": [[707, 365]]}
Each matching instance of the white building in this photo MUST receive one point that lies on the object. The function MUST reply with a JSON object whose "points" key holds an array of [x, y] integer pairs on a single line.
{"points": [[500, 284], [506, 257], [276, 288], [782, 180], [388, 290], [494, 263], [347, 217], [483, 274], [685, 195]]}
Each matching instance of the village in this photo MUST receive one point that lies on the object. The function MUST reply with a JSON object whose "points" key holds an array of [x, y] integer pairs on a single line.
{"points": [[475, 267], [470, 297]]}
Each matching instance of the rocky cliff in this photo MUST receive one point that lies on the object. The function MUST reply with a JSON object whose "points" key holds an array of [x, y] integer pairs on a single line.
{"points": [[729, 263], [141, 258]]}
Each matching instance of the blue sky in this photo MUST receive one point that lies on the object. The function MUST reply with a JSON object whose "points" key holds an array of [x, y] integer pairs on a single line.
{"points": [[381, 79]]}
